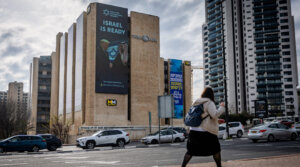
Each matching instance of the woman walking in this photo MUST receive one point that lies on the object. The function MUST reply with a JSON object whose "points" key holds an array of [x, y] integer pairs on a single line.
{"points": [[203, 140]]}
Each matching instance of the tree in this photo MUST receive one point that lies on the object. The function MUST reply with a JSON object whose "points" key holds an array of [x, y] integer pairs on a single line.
{"points": [[13, 121], [59, 128]]}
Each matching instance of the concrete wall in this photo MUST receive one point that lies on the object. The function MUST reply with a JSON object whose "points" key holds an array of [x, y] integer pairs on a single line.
{"points": [[144, 68]]}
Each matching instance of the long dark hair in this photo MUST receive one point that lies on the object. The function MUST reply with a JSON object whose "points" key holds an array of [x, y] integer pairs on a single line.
{"points": [[208, 93]]}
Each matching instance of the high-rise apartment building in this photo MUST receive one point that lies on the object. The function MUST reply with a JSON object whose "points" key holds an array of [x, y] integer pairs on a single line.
{"points": [[15, 97], [3, 97], [40, 93], [251, 45]]}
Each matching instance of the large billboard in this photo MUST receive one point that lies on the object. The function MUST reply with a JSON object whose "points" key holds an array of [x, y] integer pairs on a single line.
{"points": [[112, 50], [176, 87]]}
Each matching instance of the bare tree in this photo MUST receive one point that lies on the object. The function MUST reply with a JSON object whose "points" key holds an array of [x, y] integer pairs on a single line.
{"points": [[13, 121], [59, 129]]}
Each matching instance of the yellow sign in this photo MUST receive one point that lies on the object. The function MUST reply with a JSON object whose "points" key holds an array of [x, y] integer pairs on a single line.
{"points": [[111, 102]]}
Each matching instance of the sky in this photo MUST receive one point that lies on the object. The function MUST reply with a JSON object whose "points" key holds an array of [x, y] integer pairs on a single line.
{"points": [[28, 29]]}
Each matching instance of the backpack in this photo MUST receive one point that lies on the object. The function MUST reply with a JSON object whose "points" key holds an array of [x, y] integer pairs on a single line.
{"points": [[193, 117]]}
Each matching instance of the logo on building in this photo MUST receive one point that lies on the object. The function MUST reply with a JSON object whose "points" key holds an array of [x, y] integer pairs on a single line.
{"points": [[111, 13], [145, 38], [111, 102]]}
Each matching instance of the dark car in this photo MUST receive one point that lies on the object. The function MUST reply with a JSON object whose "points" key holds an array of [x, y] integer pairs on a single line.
{"points": [[23, 143], [178, 129], [52, 141]]}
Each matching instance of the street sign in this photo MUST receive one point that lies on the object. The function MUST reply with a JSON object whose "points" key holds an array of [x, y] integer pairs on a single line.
{"points": [[165, 106]]}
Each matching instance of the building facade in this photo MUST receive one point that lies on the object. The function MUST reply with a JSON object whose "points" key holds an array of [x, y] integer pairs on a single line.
{"points": [[255, 42], [15, 97], [109, 72], [40, 93]]}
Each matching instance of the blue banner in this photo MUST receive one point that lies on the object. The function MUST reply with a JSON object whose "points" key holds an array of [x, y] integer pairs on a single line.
{"points": [[176, 87]]}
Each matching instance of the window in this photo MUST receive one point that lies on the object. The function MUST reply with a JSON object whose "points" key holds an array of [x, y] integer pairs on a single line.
{"points": [[285, 46], [273, 126], [286, 59], [288, 79], [283, 14], [283, 8], [284, 27], [287, 73], [284, 21], [282, 2], [285, 40], [287, 66], [288, 86], [285, 33], [288, 93], [286, 53]]}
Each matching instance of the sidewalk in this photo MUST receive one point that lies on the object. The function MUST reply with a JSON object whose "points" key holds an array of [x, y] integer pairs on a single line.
{"points": [[292, 160]]}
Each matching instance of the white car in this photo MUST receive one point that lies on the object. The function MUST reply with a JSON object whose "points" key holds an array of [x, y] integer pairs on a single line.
{"points": [[271, 132], [104, 138], [165, 137], [296, 126], [235, 129]]}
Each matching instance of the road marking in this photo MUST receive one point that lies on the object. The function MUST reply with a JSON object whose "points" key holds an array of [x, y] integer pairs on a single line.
{"points": [[130, 147], [14, 164], [93, 162]]}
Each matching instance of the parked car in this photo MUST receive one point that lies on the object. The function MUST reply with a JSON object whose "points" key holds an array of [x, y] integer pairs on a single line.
{"points": [[165, 137], [178, 129], [235, 129], [52, 141], [271, 132], [23, 143], [287, 123], [296, 126], [104, 138]]}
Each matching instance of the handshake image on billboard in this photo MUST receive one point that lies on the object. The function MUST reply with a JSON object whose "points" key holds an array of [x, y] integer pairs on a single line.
{"points": [[113, 50]]}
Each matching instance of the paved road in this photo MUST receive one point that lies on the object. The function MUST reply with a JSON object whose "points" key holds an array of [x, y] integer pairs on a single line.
{"points": [[163, 155]]}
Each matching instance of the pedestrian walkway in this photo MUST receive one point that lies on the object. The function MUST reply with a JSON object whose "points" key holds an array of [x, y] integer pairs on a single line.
{"points": [[274, 161]]}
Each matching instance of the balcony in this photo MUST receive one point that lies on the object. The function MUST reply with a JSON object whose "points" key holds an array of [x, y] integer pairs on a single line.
{"points": [[219, 41], [268, 63], [217, 12], [215, 49], [218, 88], [214, 31], [214, 8], [266, 18], [216, 71], [266, 37], [215, 83], [216, 65], [268, 76], [266, 25], [263, 83], [267, 44], [216, 77], [265, 12], [258, 1], [212, 3], [271, 50], [215, 54], [274, 89], [265, 6], [213, 25], [214, 36], [260, 70], [219, 94], [215, 60], [215, 19]]}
